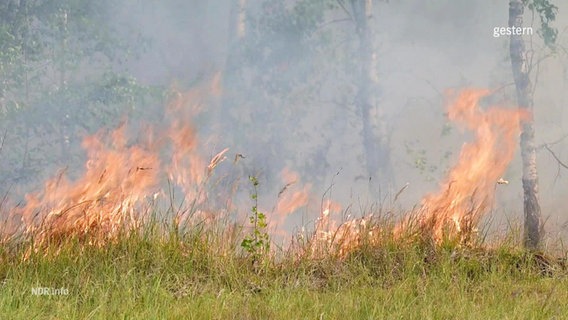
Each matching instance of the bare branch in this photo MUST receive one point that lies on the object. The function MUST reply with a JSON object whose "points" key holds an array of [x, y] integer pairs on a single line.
{"points": [[3, 140], [558, 141], [342, 5], [537, 73], [325, 24], [502, 87], [552, 143], [565, 166]]}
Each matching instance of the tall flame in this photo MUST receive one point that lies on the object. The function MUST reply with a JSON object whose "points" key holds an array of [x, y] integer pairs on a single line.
{"points": [[466, 194], [468, 191]]}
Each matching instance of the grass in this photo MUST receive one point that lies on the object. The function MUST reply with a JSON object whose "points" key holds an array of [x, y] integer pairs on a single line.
{"points": [[205, 275]]}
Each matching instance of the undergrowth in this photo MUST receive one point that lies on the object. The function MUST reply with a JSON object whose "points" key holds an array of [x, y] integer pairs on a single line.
{"points": [[202, 273]]}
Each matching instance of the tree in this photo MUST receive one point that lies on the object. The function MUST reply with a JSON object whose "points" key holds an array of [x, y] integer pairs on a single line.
{"points": [[237, 32], [271, 61], [377, 149], [46, 101], [293, 60], [521, 72]]}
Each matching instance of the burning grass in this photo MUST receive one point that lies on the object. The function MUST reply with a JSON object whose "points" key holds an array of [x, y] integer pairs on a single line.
{"points": [[124, 178], [466, 195], [123, 181], [199, 274]]}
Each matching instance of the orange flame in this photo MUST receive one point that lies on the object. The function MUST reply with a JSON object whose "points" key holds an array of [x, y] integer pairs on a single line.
{"points": [[291, 197], [290, 200], [332, 236], [466, 194], [295, 195], [469, 189], [121, 181]]}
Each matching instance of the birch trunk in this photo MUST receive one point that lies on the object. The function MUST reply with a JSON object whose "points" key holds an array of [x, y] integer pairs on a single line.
{"points": [[533, 221]]}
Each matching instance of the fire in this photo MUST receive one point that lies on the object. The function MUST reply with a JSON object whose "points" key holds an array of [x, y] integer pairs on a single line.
{"points": [[336, 237], [291, 196], [117, 178], [122, 180], [466, 194], [469, 189], [295, 195]]}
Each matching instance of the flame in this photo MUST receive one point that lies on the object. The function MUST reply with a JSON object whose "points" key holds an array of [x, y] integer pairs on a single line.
{"points": [[468, 191], [122, 179], [291, 196], [295, 195], [466, 194]]}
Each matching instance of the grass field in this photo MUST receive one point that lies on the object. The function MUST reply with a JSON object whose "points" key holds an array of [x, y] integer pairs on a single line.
{"points": [[205, 275]]}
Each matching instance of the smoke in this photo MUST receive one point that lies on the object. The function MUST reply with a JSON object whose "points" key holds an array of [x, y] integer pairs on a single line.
{"points": [[289, 89]]}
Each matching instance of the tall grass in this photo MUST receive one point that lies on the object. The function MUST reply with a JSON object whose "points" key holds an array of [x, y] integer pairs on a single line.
{"points": [[161, 271]]}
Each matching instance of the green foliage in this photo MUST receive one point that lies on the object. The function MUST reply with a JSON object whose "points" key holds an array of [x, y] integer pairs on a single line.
{"points": [[283, 41], [547, 14], [257, 243], [423, 163], [60, 79], [43, 41]]}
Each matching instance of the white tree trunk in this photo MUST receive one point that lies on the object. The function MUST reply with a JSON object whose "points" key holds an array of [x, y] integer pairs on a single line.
{"points": [[533, 220]]}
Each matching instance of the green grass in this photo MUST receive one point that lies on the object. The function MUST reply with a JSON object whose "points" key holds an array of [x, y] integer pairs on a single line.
{"points": [[199, 276]]}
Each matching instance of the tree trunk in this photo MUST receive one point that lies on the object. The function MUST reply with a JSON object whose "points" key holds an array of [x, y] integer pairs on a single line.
{"points": [[237, 31], [376, 148], [533, 221], [64, 128]]}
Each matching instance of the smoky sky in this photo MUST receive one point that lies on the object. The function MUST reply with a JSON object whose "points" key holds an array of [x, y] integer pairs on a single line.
{"points": [[423, 49]]}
